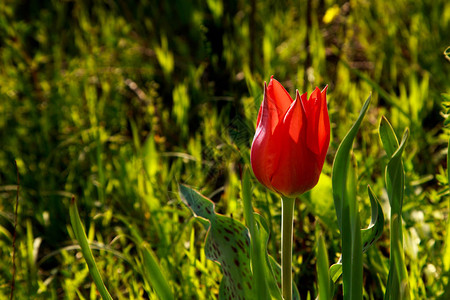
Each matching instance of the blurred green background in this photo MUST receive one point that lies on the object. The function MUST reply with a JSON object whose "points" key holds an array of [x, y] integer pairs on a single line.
{"points": [[116, 102]]}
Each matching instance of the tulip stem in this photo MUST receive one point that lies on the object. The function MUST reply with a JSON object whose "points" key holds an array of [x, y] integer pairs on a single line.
{"points": [[287, 223]]}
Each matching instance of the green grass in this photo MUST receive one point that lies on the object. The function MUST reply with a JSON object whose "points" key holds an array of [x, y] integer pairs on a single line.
{"points": [[117, 103]]}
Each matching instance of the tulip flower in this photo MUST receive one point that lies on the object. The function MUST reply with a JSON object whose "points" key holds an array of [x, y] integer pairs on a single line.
{"points": [[291, 140], [287, 155]]}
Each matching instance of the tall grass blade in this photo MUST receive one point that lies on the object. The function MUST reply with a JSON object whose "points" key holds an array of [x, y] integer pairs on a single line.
{"points": [[154, 275], [323, 273], [80, 235]]}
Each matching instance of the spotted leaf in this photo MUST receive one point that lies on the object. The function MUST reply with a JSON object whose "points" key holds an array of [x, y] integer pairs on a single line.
{"points": [[227, 243]]}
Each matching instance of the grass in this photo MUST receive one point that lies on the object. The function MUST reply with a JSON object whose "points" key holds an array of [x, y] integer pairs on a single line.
{"points": [[116, 103]]}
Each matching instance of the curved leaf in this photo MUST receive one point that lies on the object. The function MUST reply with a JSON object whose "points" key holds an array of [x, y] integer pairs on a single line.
{"points": [[341, 163], [151, 270], [227, 243], [336, 270], [375, 229], [368, 235], [80, 235], [388, 137], [277, 271], [397, 287], [344, 194], [262, 279]]}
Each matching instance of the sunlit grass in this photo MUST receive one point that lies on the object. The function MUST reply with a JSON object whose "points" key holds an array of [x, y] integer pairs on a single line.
{"points": [[118, 103]]}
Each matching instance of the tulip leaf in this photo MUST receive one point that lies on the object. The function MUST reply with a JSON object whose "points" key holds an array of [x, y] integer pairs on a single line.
{"points": [[344, 194], [336, 270], [341, 163], [373, 232], [388, 137], [397, 286], [227, 243], [368, 235], [352, 264]]}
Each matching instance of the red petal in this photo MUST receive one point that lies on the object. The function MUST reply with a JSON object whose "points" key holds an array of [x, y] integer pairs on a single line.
{"points": [[297, 170], [278, 102], [279, 98], [264, 154], [312, 114], [323, 125]]}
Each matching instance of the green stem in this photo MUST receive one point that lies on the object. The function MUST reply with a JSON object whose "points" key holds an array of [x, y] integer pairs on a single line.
{"points": [[287, 222]]}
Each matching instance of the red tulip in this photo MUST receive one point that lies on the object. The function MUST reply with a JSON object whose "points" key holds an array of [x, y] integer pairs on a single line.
{"points": [[291, 140]]}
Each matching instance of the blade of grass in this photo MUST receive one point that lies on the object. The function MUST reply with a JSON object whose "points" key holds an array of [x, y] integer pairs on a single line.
{"points": [[80, 235], [446, 257], [377, 88], [13, 281], [323, 273], [152, 272], [446, 254], [154, 275]]}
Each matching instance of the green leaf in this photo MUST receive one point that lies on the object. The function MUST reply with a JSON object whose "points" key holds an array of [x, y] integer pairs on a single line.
{"points": [[153, 274], [263, 278], [277, 271], [446, 256], [368, 235], [397, 286], [80, 235], [268, 271], [227, 243], [344, 194], [272, 270], [323, 273], [151, 271], [352, 265], [336, 271], [318, 201], [388, 137], [341, 162], [375, 229], [266, 278], [395, 177]]}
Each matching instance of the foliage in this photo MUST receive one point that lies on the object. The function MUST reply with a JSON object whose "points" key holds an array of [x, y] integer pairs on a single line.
{"points": [[117, 103]]}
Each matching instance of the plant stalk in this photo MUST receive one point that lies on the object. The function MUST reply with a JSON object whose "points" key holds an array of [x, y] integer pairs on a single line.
{"points": [[287, 222]]}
